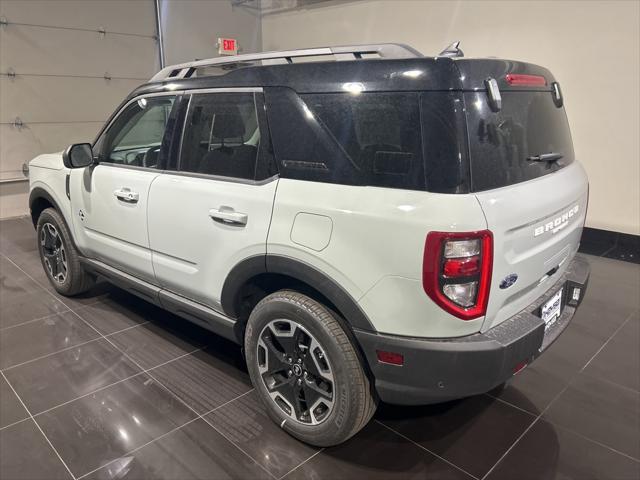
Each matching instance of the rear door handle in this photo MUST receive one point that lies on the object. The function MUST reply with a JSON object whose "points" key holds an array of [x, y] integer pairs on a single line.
{"points": [[127, 195], [228, 216]]}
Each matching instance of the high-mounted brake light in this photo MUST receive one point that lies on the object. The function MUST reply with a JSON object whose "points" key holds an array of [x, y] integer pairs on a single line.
{"points": [[522, 80], [456, 271]]}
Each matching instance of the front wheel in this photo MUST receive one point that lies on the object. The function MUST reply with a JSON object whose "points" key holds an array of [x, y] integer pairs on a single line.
{"points": [[306, 370], [59, 257]]}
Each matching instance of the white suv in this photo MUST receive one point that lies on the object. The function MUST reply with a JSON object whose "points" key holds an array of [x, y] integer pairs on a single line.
{"points": [[374, 225]]}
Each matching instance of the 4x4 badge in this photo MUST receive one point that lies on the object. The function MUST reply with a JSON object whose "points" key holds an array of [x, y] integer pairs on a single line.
{"points": [[81, 215]]}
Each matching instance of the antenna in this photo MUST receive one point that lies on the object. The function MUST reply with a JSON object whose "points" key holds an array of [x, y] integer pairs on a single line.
{"points": [[452, 50]]}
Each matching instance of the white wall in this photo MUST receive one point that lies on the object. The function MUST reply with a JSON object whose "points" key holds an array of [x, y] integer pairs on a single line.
{"points": [[59, 91], [592, 47], [192, 27]]}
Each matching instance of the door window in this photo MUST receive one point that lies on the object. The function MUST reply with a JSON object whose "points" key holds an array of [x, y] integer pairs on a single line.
{"points": [[135, 138], [222, 136]]}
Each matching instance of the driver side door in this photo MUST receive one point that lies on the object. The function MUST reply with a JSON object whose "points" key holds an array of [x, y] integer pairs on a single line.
{"points": [[109, 199]]}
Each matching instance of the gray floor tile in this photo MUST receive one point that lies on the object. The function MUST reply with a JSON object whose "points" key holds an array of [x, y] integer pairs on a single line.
{"points": [[552, 453], [11, 410], [601, 411], [26, 455], [204, 380], [67, 375], [17, 235], [22, 299], [104, 426], [116, 311], [195, 451], [376, 454], [472, 433], [42, 337], [151, 345], [619, 360], [245, 423]]}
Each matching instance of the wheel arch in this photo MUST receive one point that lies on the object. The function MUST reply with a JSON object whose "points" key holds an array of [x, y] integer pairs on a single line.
{"points": [[39, 200], [256, 277]]}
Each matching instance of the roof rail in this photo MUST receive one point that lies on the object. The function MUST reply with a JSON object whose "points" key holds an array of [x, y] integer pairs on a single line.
{"points": [[349, 52]]}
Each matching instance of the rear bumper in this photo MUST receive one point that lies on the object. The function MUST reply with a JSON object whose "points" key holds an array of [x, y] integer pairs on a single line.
{"points": [[437, 370]]}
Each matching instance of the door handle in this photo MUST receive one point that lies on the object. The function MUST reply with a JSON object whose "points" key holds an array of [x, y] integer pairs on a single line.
{"points": [[127, 195], [228, 216]]}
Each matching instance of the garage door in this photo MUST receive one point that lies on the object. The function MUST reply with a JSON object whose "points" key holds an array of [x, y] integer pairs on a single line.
{"points": [[64, 67]]}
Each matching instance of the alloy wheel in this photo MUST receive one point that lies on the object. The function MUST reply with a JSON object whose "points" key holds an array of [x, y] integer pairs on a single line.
{"points": [[53, 252], [296, 371]]}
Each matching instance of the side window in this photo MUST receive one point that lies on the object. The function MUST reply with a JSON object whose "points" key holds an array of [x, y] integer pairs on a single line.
{"points": [[135, 138], [379, 132], [222, 136]]}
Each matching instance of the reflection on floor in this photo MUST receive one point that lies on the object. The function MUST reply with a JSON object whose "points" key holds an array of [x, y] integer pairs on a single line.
{"points": [[107, 386]]}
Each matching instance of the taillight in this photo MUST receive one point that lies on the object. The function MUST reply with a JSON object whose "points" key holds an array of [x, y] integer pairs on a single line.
{"points": [[522, 80], [456, 271]]}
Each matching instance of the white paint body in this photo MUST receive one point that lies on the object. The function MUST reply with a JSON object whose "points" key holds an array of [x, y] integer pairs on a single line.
{"points": [[368, 240]]}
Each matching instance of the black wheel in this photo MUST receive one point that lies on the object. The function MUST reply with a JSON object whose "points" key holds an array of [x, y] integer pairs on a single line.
{"points": [[306, 370], [59, 257]]}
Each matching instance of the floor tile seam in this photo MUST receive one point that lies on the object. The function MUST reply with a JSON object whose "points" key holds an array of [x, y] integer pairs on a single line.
{"points": [[173, 394], [422, 447], [4, 329], [100, 337], [38, 426]]}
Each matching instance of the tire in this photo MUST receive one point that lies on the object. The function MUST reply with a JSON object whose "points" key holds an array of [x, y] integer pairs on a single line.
{"points": [[59, 257], [289, 324]]}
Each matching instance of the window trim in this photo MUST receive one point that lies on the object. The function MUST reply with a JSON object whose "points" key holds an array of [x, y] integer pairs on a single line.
{"points": [[207, 176], [119, 112]]}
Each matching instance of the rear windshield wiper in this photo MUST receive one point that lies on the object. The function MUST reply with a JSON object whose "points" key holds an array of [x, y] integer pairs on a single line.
{"points": [[545, 157]]}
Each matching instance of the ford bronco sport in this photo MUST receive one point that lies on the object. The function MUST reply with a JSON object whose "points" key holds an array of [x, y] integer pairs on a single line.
{"points": [[368, 223]]}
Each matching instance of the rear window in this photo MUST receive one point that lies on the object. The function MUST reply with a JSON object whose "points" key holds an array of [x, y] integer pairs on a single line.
{"points": [[500, 143], [406, 140]]}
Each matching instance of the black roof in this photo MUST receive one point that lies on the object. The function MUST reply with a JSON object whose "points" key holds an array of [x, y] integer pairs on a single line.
{"points": [[412, 74]]}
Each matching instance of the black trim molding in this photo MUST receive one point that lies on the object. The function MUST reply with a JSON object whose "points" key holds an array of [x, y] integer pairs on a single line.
{"points": [[301, 271], [609, 244]]}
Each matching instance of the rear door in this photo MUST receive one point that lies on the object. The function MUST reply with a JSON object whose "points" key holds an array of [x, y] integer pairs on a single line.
{"points": [[215, 209], [535, 206], [110, 199]]}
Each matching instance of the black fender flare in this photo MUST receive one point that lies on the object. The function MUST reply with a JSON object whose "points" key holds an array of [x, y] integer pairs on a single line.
{"points": [[299, 270], [39, 192]]}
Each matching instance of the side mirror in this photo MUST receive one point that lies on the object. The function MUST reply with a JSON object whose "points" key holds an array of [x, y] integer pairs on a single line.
{"points": [[78, 155]]}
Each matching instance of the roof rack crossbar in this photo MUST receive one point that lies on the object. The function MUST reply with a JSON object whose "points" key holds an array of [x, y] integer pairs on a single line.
{"points": [[384, 50]]}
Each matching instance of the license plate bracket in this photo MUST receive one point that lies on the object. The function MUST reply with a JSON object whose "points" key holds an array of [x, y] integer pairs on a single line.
{"points": [[551, 310]]}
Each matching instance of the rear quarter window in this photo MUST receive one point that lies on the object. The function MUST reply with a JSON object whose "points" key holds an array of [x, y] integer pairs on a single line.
{"points": [[405, 140]]}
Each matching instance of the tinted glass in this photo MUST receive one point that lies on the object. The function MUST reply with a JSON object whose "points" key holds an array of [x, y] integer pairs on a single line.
{"points": [[406, 140], [221, 135], [135, 138], [445, 142], [380, 133], [529, 124]]}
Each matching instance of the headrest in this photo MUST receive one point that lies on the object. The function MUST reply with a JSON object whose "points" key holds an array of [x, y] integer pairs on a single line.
{"points": [[228, 123]]}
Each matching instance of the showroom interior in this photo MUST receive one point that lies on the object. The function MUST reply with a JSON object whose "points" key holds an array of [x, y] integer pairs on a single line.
{"points": [[108, 385]]}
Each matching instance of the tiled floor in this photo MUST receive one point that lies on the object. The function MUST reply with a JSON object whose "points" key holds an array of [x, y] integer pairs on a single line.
{"points": [[106, 386]]}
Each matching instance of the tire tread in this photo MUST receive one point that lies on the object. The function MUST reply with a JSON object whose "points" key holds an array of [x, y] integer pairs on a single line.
{"points": [[80, 279], [365, 399]]}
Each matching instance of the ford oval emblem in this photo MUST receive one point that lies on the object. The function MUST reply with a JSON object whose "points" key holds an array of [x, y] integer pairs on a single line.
{"points": [[508, 281]]}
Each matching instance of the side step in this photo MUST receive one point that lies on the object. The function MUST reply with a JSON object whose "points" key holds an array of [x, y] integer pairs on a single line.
{"points": [[197, 313]]}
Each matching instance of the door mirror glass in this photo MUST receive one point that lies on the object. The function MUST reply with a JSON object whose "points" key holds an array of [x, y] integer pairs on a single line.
{"points": [[78, 155]]}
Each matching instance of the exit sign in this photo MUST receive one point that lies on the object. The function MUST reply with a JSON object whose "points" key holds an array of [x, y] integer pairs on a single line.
{"points": [[227, 46]]}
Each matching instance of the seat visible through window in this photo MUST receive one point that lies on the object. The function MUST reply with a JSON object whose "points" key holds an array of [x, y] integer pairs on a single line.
{"points": [[222, 135]]}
